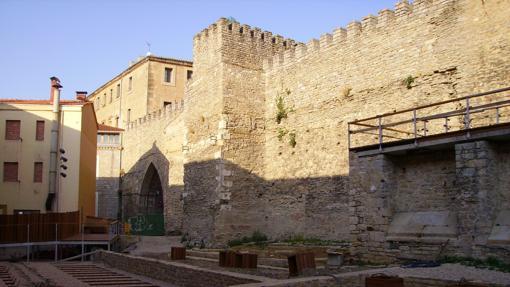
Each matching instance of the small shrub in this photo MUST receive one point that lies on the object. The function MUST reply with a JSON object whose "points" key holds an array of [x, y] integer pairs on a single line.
{"points": [[281, 133], [301, 240], [292, 139], [281, 111], [257, 237], [408, 82]]}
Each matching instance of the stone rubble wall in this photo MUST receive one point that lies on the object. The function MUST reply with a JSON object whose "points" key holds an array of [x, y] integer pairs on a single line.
{"points": [[156, 138], [173, 272], [238, 170]]}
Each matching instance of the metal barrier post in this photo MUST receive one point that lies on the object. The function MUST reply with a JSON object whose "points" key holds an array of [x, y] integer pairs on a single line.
{"points": [[380, 134], [414, 126], [82, 242], [467, 120], [28, 243], [56, 241], [349, 135]]}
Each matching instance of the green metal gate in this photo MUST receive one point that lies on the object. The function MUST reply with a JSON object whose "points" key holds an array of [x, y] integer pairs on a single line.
{"points": [[147, 224]]}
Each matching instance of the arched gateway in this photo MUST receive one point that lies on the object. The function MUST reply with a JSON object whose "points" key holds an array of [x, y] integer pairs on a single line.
{"points": [[150, 219]]}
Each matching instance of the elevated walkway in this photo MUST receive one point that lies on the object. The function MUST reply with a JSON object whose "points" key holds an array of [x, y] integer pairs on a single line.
{"points": [[435, 126]]}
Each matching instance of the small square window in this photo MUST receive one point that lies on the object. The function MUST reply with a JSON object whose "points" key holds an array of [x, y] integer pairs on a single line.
{"points": [[189, 74], [39, 131], [10, 172], [12, 129], [168, 75]]}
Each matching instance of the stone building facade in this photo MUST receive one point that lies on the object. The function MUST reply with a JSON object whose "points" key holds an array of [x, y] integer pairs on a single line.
{"points": [[147, 85], [261, 142]]}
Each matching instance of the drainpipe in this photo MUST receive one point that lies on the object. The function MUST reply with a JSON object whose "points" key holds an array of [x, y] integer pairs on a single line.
{"points": [[55, 124]]}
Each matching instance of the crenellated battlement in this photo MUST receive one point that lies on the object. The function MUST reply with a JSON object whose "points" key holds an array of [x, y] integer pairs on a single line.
{"points": [[166, 114], [242, 32], [386, 21]]}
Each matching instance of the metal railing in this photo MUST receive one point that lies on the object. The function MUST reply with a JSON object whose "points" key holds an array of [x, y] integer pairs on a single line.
{"points": [[461, 114], [57, 234]]}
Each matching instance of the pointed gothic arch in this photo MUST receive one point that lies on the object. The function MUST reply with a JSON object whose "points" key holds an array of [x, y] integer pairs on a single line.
{"points": [[151, 193]]}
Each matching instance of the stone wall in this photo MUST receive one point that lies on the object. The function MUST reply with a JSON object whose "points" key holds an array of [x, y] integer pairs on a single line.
{"points": [[262, 143], [154, 139], [173, 272], [107, 180], [246, 171], [464, 185]]}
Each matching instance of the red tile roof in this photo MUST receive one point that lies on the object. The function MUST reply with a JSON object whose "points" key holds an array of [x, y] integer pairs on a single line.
{"points": [[105, 128], [41, 102]]}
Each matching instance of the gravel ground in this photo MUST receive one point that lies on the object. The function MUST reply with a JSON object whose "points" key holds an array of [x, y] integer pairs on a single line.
{"points": [[454, 272], [155, 244]]}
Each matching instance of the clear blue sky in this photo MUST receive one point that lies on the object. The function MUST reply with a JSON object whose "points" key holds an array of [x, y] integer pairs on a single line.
{"points": [[85, 43]]}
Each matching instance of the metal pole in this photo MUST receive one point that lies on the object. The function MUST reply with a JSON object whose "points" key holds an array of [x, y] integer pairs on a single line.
{"points": [[380, 134], [414, 126], [28, 242], [56, 241], [467, 120], [349, 136], [82, 243]]}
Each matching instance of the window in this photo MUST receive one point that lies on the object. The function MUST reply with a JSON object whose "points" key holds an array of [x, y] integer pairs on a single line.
{"points": [[111, 95], [10, 172], [189, 74], [129, 115], [98, 103], [38, 171], [39, 131], [168, 75], [165, 104], [118, 90], [12, 130], [98, 138], [104, 99], [130, 83], [116, 121]]}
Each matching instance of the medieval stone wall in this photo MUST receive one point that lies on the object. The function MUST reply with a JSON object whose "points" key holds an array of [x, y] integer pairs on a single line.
{"points": [[263, 136], [154, 139]]}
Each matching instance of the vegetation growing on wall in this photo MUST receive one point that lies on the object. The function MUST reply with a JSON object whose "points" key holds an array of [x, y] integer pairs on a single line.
{"points": [[292, 139], [281, 133], [256, 237], [408, 81]]}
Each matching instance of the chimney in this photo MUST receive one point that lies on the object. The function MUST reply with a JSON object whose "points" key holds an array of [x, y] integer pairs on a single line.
{"points": [[81, 96], [54, 82]]}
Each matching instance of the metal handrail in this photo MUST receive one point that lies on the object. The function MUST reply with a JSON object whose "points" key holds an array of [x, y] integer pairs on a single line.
{"points": [[434, 104], [466, 112]]}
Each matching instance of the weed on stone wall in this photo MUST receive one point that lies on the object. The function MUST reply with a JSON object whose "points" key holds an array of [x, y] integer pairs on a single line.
{"points": [[281, 111], [408, 82], [257, 237], [301, 240], [281, 133], [292, 139]]}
